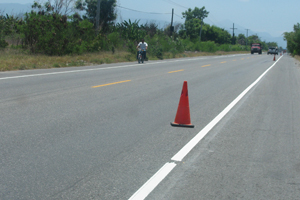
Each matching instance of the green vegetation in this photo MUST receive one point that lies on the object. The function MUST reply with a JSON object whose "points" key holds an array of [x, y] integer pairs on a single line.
{"points": [[293, 40], [74, 40]]}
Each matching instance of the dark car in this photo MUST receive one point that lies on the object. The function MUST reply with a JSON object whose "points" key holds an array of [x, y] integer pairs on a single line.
{"points": [[273, 50]]}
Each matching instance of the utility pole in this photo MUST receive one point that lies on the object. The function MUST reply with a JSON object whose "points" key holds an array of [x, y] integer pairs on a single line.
{"points": [[233, 33], [201, 28], [98, 16], [247, 37], [172, 27]]}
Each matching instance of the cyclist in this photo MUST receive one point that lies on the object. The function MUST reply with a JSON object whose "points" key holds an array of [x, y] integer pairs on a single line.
{"points": [[144, 46]]}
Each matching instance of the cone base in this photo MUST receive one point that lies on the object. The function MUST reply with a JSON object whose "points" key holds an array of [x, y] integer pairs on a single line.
{"points": [[182, 125]]}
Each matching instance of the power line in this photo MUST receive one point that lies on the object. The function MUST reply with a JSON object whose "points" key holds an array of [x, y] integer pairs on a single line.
{"points": [[144, 11], [214, 20], [178, 15], [147, 12], [169, 1]]}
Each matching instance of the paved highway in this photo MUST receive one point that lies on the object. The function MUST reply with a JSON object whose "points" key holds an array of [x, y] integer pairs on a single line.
{"points": [[103, 132]]}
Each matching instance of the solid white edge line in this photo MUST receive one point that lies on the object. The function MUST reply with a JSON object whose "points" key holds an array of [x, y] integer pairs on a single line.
{"points": [[64, 72], [85, 70], [151, 184], [77, 71], [194, 141]]}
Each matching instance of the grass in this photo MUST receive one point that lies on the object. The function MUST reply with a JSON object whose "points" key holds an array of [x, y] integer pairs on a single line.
{"points": [[297, 57], [17, 59], [13, 59]]}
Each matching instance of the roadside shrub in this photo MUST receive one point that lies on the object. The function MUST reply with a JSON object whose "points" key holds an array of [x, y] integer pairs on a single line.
{"points": [[236, 48], [101, 43], [7, 31], [224, 47], [97, 61], [158, 44], [179, 46], [80, 48], [132, 47], [156, 51], [173, 52], [56, 65], [114, 39], [53, 34], [3, 44], [208, 46], [188, 45]]}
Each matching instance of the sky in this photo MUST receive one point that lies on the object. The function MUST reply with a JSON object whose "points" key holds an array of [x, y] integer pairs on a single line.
{"points": [[258, 16], [272, 16]]}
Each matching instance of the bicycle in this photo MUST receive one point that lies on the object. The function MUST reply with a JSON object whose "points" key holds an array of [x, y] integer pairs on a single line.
{"points": [[141, 56]]}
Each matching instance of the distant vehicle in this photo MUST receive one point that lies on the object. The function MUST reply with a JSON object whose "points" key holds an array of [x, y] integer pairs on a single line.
{"points": [[256, 48], [273, 50]]}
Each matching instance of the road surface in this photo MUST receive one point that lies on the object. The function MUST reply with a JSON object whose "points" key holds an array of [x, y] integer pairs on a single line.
{"points": [[103, 132]]}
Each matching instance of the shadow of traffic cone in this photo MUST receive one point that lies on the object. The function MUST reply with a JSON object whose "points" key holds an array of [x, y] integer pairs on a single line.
{"points": [[182, 118], [274, 58]]}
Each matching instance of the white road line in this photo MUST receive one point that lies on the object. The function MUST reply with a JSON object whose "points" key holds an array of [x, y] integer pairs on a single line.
{"points": [[63, 72], [151, 184], [85, 70], [193, 142]]}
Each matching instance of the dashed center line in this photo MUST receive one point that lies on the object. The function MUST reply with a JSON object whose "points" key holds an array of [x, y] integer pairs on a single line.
{"points": [[205, 65], [110, 84], [176, 71]]}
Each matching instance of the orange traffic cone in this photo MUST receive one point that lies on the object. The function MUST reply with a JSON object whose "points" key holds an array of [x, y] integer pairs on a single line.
{"points": [[182, 118], [274, 58]]}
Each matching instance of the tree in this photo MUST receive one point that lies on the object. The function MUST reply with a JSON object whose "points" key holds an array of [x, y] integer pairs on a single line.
{"points": [[54, 34], [174, 32], [107, 12], [241, 39], [62, 7], [214, 33], [293, 40], [150, 28], [197, 13], [191, 29], [131, 30], [194, 21], [272, 44], [253, 39], [3, 31], [7, 30]]}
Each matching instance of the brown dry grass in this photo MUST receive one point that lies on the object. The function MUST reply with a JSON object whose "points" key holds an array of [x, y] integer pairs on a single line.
{"points": [[14, 59], [11, 59], [297, 57]]}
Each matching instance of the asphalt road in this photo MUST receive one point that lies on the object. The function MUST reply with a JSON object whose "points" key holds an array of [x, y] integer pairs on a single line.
{"points": [[103, 132]]}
